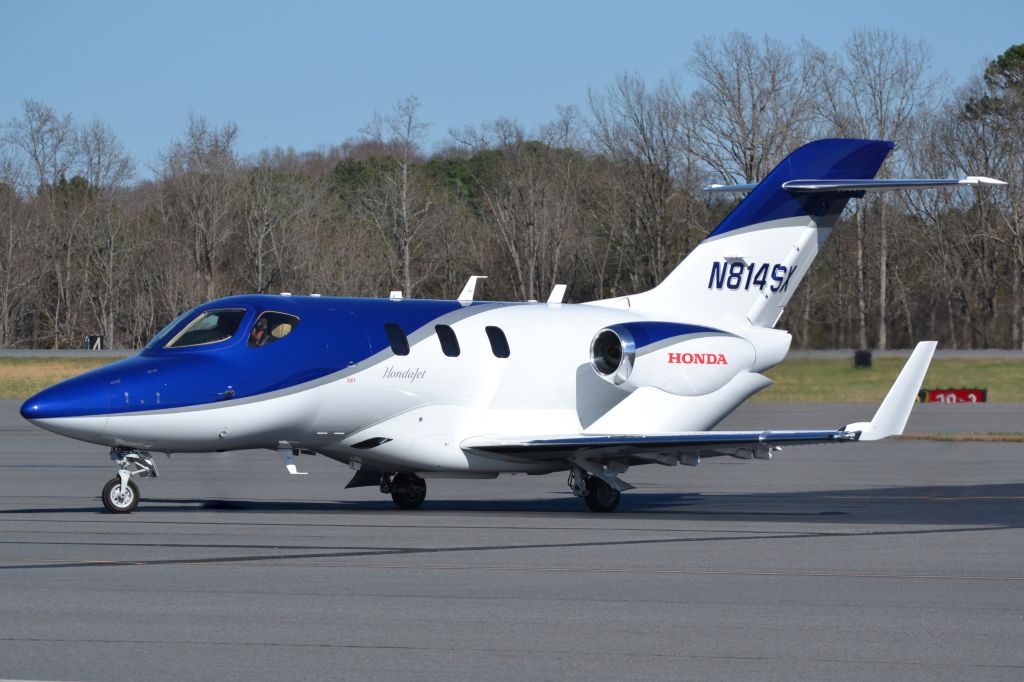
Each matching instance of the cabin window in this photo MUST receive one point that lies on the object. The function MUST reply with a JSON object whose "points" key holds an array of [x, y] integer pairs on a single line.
{"points": [[271, 327], [449, 342], [212, 326], [396, 337], [499, 344]]}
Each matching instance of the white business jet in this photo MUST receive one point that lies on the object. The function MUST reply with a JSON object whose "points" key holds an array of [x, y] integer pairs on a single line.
{"points": [[404, 390]]}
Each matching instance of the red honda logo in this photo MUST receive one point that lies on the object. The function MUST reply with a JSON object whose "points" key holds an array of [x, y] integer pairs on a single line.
{"points": [[697, 359]]}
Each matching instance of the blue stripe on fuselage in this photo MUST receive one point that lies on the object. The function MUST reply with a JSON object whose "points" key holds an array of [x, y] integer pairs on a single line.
{"points": [[332, 335]]}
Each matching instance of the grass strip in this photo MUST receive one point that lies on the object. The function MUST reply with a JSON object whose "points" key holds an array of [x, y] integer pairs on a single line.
{"points": [[813, 380], [966, 437], [798, 380], [22, 377]]}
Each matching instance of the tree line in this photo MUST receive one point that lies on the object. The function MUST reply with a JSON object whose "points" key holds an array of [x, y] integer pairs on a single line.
{"points": [[606, 198]]}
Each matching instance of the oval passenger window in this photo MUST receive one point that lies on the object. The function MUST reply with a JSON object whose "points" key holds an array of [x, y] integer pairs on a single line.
{"points": [[499, 344], [449, 342]]}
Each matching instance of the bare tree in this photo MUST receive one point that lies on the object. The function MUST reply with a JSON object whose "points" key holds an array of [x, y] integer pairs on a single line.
{"points": [[397, 201], [48, 140], [608, 203], [200, 182], [873, 88], [751, 105], [104, 161], [16, 269], [265, 219], [986, 134], [529, 198], [642, 134], [48, 144], [107, 169]]}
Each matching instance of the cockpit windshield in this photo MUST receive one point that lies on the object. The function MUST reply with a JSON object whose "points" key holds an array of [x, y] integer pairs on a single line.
{"points": [[210, 327], [162, 334]]}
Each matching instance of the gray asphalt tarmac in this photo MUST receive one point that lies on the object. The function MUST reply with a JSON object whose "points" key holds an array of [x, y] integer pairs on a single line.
{"points": [[899, 560]]}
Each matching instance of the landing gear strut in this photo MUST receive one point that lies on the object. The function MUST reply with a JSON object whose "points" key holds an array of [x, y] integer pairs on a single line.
{"points": [[408, 490], [120, 495]]}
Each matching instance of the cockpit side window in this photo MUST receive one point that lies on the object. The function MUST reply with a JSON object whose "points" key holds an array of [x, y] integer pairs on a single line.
{"points": [[211, 326], [271, 327], [396, 337]]}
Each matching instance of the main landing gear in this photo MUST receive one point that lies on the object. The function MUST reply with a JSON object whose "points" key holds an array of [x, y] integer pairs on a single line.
{"points": [[120, 495], [407, 490], [599, 495]]}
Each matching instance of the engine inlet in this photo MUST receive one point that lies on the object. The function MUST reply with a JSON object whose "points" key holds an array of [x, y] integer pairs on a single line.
{"points": [[612, 353]]}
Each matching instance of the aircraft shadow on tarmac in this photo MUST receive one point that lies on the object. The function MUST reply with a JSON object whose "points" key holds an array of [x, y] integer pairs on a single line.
{"points": [[989, 504]]}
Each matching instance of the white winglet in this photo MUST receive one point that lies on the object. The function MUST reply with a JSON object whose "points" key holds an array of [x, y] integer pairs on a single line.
{"points": [[892, 414], [469, 290]]}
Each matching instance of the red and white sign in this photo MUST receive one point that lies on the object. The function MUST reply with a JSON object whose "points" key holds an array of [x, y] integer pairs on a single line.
{"points": [[954, 395]]}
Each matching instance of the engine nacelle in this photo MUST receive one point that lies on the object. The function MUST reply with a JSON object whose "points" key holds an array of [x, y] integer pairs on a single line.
{"points": [[681, 359]]}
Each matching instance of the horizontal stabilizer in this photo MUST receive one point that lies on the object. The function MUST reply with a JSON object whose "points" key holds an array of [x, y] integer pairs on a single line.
{"points": [[746, 187], [861, 185], [881, 185]]}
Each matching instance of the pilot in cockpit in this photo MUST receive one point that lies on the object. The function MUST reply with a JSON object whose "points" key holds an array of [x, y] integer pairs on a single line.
{"points": [[258, 337]]}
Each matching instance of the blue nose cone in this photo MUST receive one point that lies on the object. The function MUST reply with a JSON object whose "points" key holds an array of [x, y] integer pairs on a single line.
{"points": [[78, 397]]}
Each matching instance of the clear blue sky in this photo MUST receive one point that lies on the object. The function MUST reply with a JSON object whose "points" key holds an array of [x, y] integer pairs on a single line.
{"points": [[304, 74]]}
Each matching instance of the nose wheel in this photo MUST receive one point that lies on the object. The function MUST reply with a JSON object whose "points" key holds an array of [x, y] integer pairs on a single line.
{"points": [[119, 498], [120, 495]]}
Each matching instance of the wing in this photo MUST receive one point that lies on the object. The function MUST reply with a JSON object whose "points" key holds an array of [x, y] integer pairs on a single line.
{"points": [[744, 444], [889, 420]]}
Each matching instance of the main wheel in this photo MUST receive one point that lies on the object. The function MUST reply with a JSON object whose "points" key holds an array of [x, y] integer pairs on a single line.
{"points": [[601, 497], [118, 501], [408, 490]]}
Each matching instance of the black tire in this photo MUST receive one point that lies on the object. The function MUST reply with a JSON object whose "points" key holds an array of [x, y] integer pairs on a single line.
{"points": [[601, 497], [408, 490], [115, 502]]}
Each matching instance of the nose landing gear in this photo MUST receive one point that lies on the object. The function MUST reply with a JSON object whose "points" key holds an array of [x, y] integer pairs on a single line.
{"points": [[120, 494]]}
